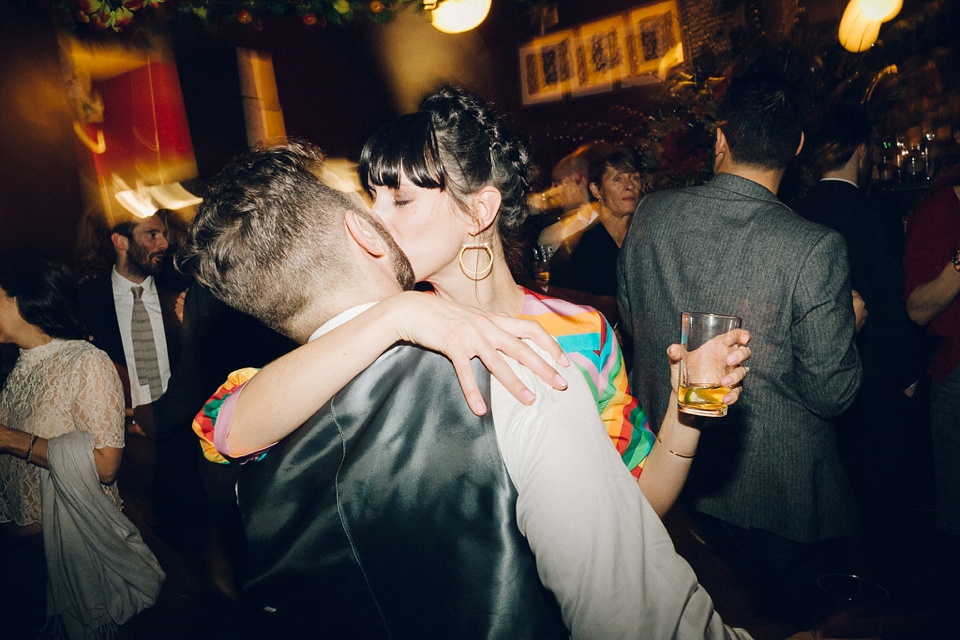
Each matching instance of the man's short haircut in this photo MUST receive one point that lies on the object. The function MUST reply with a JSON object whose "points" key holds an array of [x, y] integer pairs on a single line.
{"points": [[834, 140], [581, 158], [124, 228], [567, 166], [761, 116], [269, 237]]}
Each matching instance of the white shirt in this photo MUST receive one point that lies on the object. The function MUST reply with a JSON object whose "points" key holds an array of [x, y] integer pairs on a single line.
{"points": [[839, 180], [599, 546], [123, 303], [341, 318]]}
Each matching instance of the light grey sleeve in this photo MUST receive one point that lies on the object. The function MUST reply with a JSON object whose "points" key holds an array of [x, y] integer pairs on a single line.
{"points": [[599, 546], [826, 362]]}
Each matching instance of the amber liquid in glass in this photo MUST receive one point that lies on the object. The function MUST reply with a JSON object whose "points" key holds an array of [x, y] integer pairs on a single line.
{"points": [[703, 401]]}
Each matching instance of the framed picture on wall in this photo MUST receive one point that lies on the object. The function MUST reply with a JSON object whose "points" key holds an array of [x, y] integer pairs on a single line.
{"points": [[634, 47], [653, 42], [546, 67], [601, 55]]}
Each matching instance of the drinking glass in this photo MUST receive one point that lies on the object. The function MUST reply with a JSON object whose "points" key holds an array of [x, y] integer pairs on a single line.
{"points": [[706, 343]]}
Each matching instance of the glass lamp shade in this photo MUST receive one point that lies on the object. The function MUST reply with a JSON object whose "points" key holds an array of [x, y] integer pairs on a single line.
{"points": [[857, 32], [880, 10], [457, 16]]}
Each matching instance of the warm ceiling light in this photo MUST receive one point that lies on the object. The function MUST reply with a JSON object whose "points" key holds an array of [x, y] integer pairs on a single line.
{"points": [[144, 201], [880, 10], [857, 32], [860, 25], [457, 16]]}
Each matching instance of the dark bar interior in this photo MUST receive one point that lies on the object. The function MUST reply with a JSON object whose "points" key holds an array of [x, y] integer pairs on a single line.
{"points": [[139, 113]]}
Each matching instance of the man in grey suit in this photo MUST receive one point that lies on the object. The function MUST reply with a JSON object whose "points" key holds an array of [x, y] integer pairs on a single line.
{"points": [[767, 489]]}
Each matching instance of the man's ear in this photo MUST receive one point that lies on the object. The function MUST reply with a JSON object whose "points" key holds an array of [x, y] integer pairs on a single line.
{"points": [[486, 206], [363, 234], [721, 142], [120, 241], [800, 145], [861, 153]]}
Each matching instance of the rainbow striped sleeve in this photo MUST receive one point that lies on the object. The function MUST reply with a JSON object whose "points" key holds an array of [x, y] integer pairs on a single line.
{"points": [[589, 341], [206, 419]]}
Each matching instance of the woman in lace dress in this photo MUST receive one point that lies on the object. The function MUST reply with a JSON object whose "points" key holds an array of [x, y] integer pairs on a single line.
{"points": [[60, 383]]}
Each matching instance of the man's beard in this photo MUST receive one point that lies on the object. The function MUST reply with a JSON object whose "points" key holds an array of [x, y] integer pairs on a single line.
{"points": [[401, 264], [402, 268], [140, 262]]}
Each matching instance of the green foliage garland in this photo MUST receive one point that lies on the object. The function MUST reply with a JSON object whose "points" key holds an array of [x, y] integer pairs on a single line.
{"points": [[119, 14]]}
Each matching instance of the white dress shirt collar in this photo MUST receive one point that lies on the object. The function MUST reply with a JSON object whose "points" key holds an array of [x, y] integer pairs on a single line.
{"points": [[341, 318], [122, 285], [839, 180]]}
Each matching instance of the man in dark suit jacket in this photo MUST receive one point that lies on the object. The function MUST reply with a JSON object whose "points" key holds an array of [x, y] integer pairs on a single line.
{"points": [[141, 248], [106, 303], [890, 345], [767, 484]]}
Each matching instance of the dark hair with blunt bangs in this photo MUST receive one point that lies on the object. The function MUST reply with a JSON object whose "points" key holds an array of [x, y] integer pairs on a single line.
{"points": [[44, 290], [457, 143], [269, 237], [761, 116], [623, 159]]}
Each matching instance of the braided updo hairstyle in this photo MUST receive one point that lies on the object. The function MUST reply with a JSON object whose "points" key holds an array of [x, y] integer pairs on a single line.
{"points": [[457, 143]]}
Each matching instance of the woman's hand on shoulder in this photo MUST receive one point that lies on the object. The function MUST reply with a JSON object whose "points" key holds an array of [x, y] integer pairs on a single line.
{"points": [[178, 306], [462, 333]]}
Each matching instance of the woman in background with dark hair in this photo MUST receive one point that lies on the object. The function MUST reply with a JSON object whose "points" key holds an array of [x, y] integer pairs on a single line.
{"points": [[60, 384], [614, 182]]}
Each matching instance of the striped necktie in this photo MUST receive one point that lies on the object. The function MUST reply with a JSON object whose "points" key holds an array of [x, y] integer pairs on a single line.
{"points": [[144, 348]]}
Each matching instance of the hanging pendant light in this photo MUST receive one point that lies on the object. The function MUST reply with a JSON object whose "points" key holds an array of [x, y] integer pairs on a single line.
{"points": [[880, 10], [860, 24], [857, 33], [457, 16]]}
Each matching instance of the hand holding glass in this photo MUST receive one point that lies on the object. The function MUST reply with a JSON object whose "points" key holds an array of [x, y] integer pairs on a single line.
{"points": [[707, 340]]}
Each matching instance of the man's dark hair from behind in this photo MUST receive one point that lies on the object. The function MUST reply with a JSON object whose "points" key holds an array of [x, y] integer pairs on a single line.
{"points": [[761, 116], [836, 136]]}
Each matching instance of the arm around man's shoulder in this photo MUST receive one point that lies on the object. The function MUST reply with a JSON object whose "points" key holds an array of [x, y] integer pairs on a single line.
{"points": [[826, 363]]}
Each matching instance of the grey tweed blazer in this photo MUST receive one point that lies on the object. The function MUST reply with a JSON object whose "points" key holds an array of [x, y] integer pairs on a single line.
{"points": [[731, 247]]}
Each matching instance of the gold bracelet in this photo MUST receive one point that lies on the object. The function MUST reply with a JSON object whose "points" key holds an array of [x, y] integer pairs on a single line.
{"points": [[679, 455], [33, 441]]}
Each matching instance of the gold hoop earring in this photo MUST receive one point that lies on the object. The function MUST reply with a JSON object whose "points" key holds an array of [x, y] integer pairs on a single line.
{"points": [[482, 273]]}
